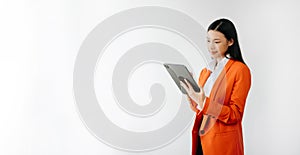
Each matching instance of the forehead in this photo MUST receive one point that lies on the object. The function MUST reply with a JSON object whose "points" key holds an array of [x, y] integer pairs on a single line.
{"points": [[212, 34]]}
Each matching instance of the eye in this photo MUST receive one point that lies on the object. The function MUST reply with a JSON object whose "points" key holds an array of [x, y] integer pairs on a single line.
{"points": [[217, 42]]}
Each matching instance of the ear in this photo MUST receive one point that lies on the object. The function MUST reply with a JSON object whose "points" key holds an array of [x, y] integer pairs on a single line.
{"points": [[230, 42]]}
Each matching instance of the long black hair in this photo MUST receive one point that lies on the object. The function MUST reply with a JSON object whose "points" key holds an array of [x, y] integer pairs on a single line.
{"points": [[226, 27]]}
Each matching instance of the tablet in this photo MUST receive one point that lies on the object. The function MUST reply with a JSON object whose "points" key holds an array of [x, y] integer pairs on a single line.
{"points": [[178, 73]]}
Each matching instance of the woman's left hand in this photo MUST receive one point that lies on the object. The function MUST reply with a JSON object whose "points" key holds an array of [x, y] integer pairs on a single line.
{"points": [[197, 97]]}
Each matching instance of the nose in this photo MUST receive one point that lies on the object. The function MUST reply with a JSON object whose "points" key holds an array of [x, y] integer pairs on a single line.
{"points": [[211, 46]]}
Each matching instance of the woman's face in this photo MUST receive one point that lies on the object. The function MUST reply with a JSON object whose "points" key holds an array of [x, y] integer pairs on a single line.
{"points": [[217, 44]]}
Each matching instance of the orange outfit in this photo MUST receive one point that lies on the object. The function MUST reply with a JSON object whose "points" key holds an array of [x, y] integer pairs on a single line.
{"points": [[219, 123]]}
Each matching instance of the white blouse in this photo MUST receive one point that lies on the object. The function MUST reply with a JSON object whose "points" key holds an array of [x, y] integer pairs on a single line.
{"points": [[216, 69]]}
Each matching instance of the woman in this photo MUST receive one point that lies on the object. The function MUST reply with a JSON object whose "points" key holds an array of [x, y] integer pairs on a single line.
{"points": [[224, 84]]}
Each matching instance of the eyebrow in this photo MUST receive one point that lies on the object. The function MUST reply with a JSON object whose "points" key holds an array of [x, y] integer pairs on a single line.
{"points": [[215, 39]]}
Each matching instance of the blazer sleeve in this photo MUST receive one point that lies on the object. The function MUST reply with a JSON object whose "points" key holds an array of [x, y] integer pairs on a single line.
{"points": [[232, 113]]}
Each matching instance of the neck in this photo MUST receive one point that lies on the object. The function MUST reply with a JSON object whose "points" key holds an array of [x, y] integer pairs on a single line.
{"points": [[219, 59]]}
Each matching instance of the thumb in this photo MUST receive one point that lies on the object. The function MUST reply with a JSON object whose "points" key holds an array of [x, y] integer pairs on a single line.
{"points": [[191, 73], [201, 89]]}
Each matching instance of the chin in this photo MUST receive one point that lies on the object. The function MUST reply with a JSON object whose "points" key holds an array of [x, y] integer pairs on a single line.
{"points": [[213, 56]]}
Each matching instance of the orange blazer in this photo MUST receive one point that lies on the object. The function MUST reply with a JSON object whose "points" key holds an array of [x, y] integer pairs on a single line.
{"points": [[219, 123]]}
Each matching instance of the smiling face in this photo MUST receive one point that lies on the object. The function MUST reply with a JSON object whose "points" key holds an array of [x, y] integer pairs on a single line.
{"points": [[217, 44]]}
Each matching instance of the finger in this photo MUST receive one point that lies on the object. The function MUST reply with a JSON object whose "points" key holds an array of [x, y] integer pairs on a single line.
{"points": [[190, 100], [187, 89], [188, 84], [201, 90], [193, 107], [184, 86], [184, 82]]}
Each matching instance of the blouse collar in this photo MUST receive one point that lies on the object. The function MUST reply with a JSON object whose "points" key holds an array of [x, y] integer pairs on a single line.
{"points": [[213, 65]]}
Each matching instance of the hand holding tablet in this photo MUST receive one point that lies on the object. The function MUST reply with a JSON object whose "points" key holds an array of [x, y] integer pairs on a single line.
{"points": [[185, 82]]}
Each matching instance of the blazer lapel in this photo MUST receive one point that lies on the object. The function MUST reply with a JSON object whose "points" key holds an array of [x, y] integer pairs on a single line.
{"points": [[202, 80], [220, 83]]}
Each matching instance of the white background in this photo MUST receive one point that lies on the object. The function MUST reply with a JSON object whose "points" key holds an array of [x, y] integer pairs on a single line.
{"points": [[39, 41]]}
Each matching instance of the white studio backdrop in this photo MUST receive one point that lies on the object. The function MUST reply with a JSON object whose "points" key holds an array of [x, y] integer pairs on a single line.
{"points": [[40, 41]]}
